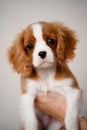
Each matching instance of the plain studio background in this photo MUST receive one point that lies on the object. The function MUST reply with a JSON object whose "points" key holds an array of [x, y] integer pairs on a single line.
{"points": [[16, 15]]}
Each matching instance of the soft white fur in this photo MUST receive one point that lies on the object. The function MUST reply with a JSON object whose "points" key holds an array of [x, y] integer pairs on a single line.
{"points": [[47, 83]]}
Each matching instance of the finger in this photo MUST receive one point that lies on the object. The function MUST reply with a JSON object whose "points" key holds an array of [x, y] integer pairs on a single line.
{"points": [[41, 97]]}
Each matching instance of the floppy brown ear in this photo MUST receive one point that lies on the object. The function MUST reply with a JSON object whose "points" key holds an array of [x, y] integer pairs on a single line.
{"points": [[18, 57], [66, 45]]}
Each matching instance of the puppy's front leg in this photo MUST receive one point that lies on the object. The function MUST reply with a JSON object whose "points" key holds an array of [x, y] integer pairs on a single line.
{"points": [[28, 113], [72, 111]]}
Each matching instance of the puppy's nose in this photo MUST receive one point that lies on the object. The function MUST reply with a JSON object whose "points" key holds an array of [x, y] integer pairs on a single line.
{"points": [[42, 54]]}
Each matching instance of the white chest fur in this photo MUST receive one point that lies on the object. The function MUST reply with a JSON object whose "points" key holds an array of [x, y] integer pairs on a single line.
{"points": [[47, 82]]}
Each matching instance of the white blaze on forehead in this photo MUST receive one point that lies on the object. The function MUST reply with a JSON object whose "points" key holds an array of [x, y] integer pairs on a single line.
{"points": [[37, 31], [40, 45]]}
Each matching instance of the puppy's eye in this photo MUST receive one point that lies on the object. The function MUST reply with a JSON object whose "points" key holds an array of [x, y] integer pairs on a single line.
{"points": [[30, 46], [51, 41]]}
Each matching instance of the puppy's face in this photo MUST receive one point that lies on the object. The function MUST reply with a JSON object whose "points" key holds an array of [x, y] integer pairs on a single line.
{"points": [[41, 45]]}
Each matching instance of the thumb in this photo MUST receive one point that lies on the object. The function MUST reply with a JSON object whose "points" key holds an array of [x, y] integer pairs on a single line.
{"points": [[41, 97]]}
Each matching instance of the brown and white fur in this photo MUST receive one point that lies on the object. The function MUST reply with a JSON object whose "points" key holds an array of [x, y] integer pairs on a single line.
{"points": [[40, 54]]}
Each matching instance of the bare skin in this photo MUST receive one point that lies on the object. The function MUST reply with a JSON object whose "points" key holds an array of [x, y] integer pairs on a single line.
{"points": [[55, 106]]}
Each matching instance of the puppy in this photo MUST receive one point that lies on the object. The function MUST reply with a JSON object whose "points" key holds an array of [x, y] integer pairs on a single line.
{"points": [[40, 54]]}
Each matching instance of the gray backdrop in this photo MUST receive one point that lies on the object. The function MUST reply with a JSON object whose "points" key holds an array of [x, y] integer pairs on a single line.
{"points": [[17, 14]]}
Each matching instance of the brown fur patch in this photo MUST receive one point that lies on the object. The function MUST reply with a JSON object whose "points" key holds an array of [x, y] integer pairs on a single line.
{"points": [[63, 72], [34, 75]]}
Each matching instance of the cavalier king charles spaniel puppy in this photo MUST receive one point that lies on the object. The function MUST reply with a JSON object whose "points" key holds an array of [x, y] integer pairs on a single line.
{"points": [[40, 54]]}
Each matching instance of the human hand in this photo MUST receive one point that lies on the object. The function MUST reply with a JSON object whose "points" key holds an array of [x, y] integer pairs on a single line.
{"points": [[55, 106]]}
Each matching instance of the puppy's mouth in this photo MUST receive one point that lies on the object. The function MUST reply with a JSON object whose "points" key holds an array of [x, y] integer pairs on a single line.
{"points": [[44, 64]]}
